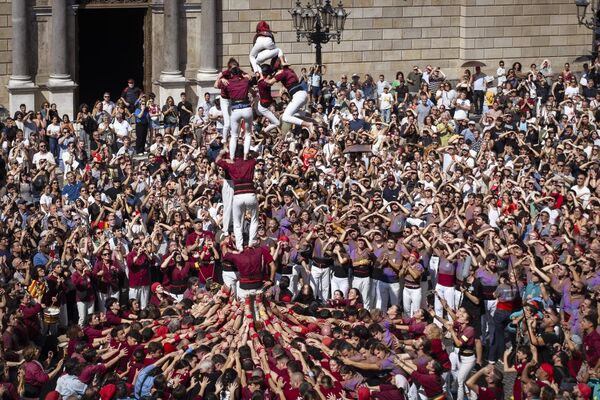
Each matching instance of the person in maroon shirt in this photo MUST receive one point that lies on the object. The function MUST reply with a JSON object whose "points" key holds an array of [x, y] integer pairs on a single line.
{"points": [[493, 383], [56, 296], [591, 340], [430, 379], [298, 92], [244, 195], [113, 313], [175, 272], [138, 265], [252, 264], [238, 85], [106, 278], [265, 98], [84, 293], [194, 240], [30, 310]]}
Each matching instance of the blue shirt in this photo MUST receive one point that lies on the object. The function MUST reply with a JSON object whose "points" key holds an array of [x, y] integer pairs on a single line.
{"points": [[40, 259], [71, 190]]}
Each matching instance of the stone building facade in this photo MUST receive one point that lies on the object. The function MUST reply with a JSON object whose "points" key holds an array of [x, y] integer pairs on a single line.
{"points": [[51, 50]]}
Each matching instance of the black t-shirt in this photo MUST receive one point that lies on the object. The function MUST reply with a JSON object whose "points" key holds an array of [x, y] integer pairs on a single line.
{"points": [[473, 288], [339, 270], [184, 116], [545, 352]]}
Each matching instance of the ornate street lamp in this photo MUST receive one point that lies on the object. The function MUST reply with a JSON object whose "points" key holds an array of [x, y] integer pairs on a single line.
{"points": [[591, 22], [318, 23]]}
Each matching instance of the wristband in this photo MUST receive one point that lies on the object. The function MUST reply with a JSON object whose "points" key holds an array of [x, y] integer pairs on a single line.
{"points": [[254, 336], [251, 325], [267, 376], [291, 312], [209, 336], [249, 316], [177, 338], [277, 335], [267, 323]]}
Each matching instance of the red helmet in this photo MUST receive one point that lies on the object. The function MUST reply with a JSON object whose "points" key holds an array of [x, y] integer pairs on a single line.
{"points": [[263, 26]]}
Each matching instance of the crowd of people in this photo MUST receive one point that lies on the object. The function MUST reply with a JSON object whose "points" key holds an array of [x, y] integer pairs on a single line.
{"points": [[412, 239]]}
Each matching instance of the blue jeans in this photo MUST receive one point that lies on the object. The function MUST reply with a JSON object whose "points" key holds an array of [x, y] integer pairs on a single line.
{"points": [[500, 321], [385, 114], [53, 146]]}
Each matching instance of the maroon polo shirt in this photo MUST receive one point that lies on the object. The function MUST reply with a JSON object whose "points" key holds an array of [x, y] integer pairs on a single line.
{"points": [[264, 92], [247, 262], [83, 286], [287, 77], [139, 272], [242, 174], [238, 88]]}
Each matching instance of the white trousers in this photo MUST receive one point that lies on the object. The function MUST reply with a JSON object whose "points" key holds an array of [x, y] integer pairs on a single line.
{"points": [[84, 310], [241, 204], [297, 102], [320, 282], [102, 297], [447, 293], [264, 49], [294, 278], [236, 117], [265, 112], [364, 287], [411, 299], [461, 367], [226, 109], [230, 279], [384, 294], [341, 284], [141, 294], [243, 293], [227, 195]]}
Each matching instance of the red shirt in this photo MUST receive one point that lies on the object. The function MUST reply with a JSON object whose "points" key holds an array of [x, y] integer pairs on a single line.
{"points": [[242, 174], [238, 88], [247, 261], [139, 273], [109, 278], [287, 77], [591, 348], [264, 92], [83, 286], [432, 384]]}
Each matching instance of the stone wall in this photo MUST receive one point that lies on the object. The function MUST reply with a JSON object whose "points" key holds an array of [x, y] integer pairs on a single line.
{"points": [[385, 36], [381, 36], [5, 48]]}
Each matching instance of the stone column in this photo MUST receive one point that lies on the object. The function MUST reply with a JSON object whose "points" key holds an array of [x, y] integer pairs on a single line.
{"points": [[207, 73], [172, 82], [60, 85], [171, 42], [20, 86], [208, 41]]}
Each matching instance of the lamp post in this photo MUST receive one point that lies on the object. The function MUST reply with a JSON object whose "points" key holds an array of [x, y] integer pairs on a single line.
{"points": [[591, 22], [319, 23]]}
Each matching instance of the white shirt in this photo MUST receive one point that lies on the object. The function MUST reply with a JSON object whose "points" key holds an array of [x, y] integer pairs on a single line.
{"points": [[479, 81], [37, 157], [501, 75], [381, 85], [385, 101], [122, 128], [214, 112], [108, 107]]}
